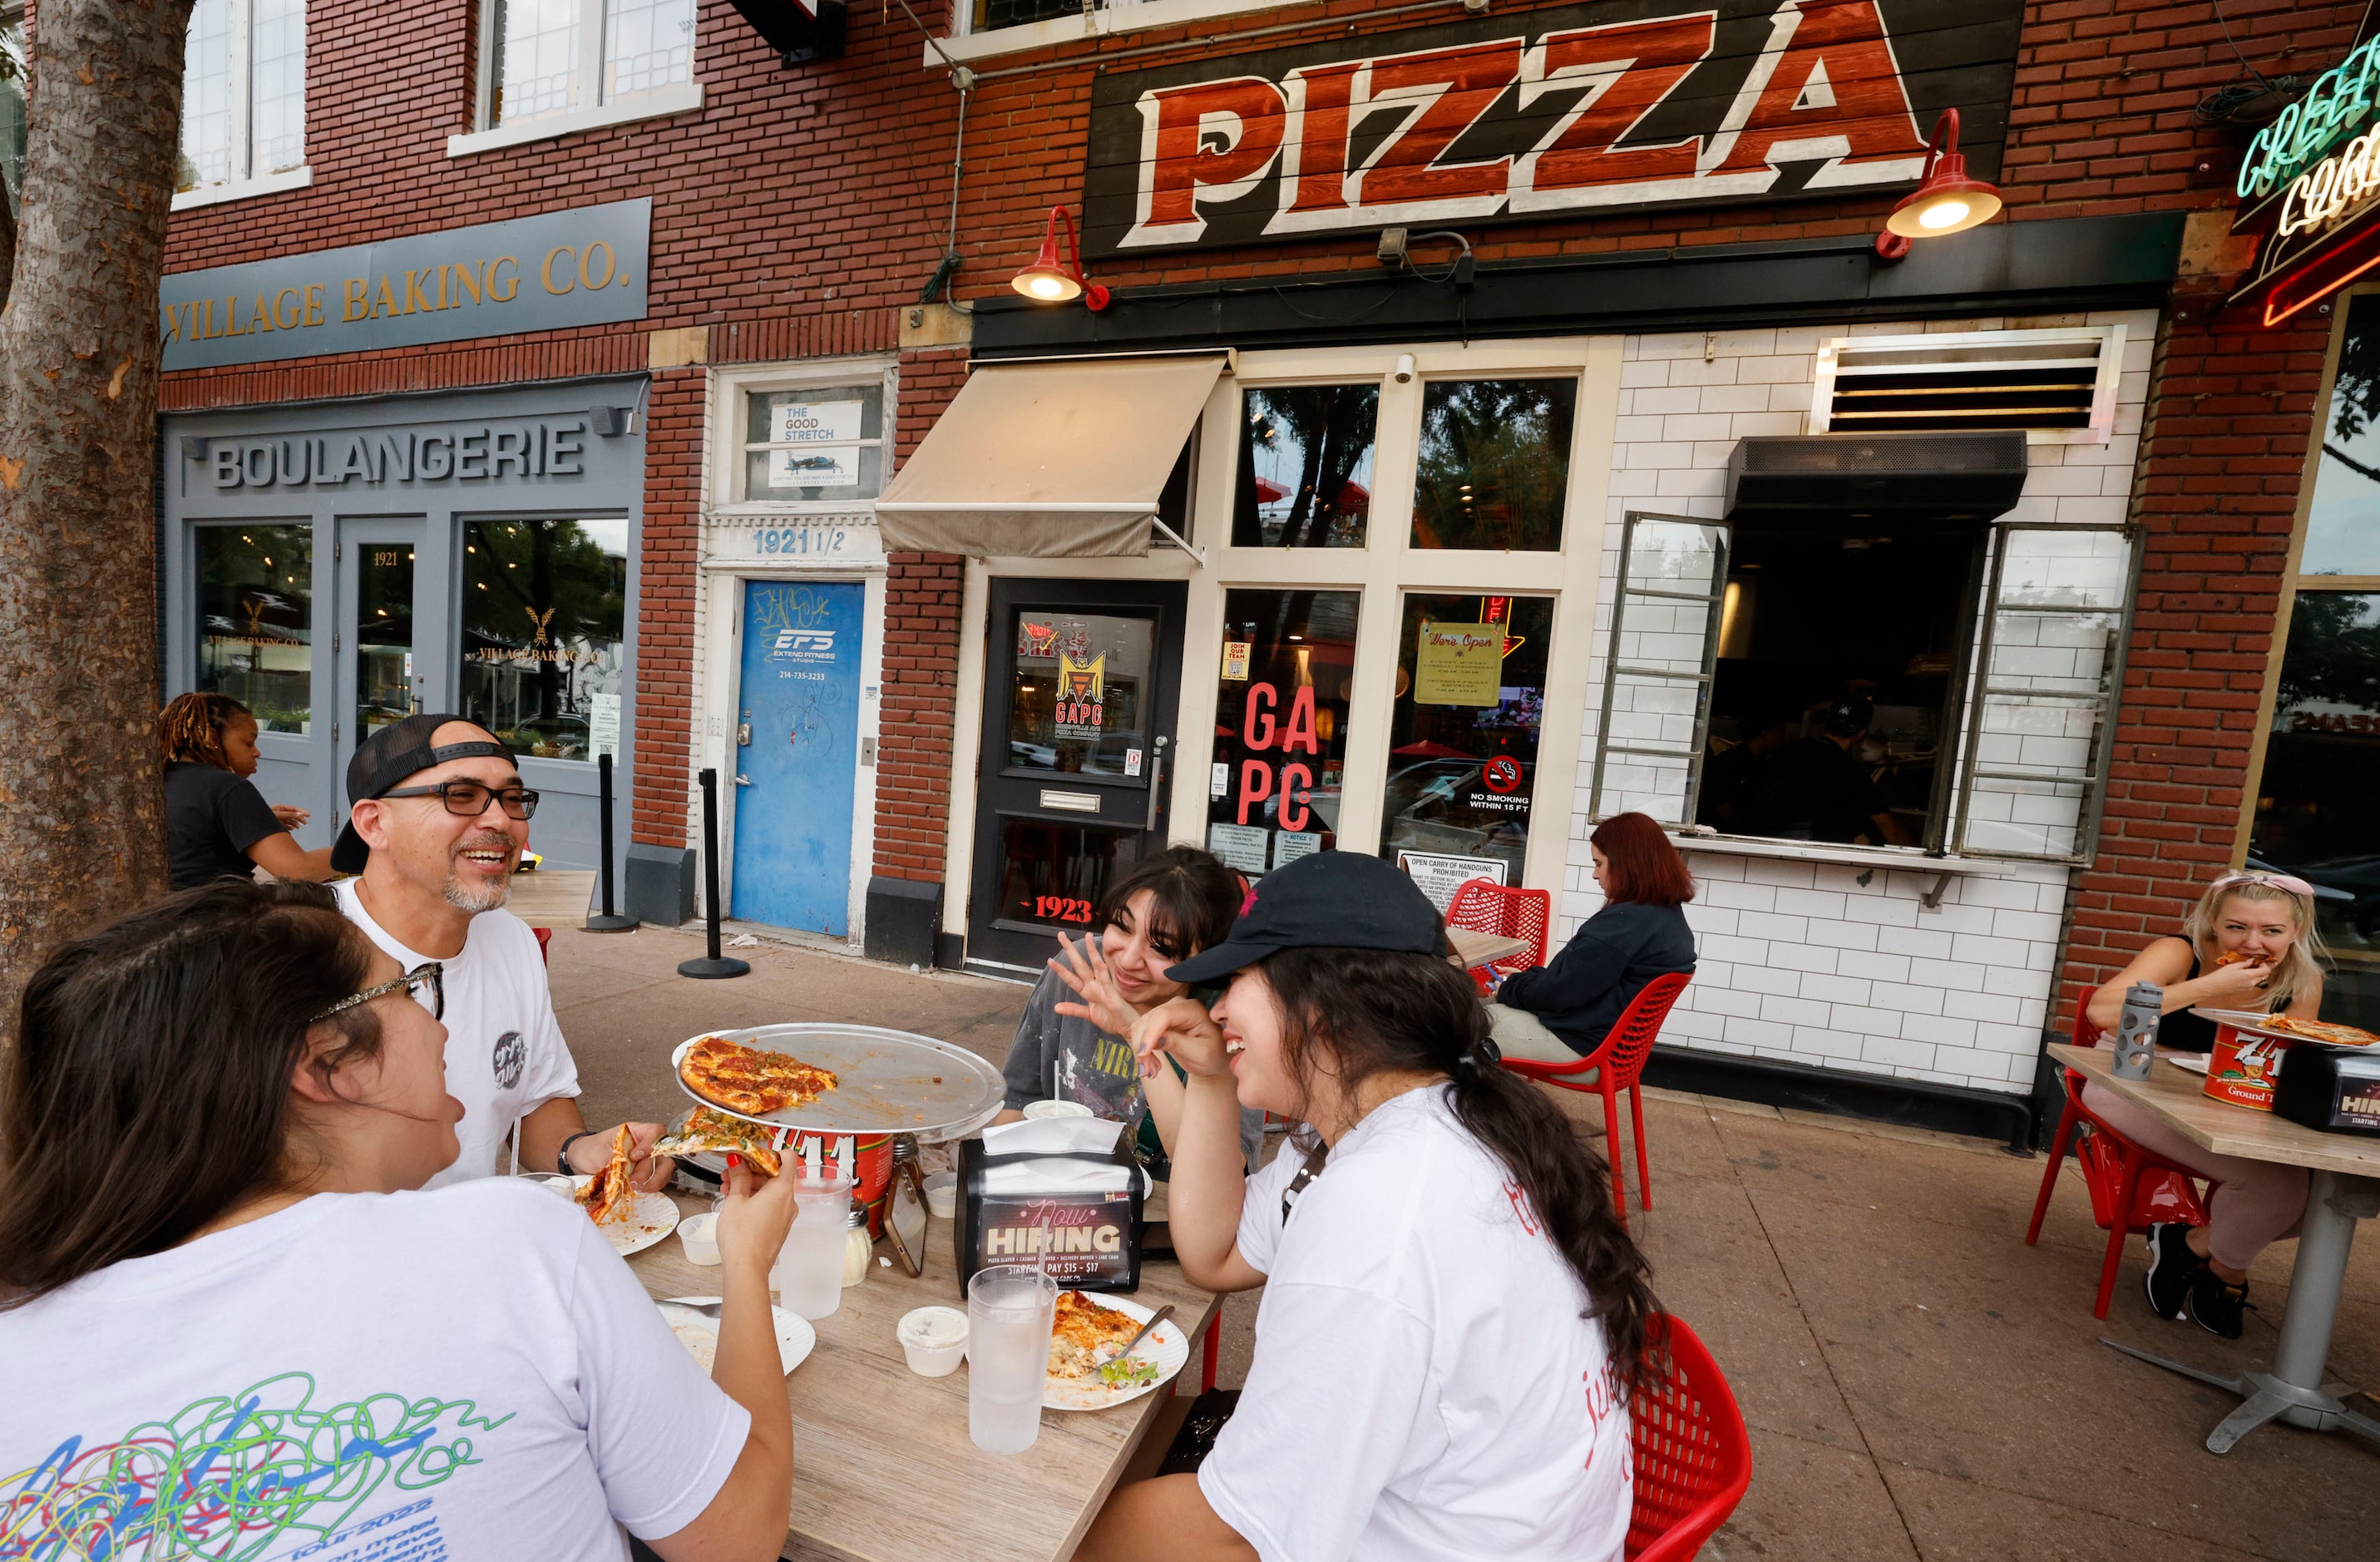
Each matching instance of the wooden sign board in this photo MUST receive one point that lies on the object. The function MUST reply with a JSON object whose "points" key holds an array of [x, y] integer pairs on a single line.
{"points": [[1569, 110]]}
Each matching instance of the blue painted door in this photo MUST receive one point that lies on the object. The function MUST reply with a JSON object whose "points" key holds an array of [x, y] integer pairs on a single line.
{"points": [[796, 757]]}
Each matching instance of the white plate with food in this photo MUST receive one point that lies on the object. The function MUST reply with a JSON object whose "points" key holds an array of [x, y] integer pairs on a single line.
{"points": [[699, 1334], [635, 1224], [1084, 1371], [840, 1080], [2288, 1028]]}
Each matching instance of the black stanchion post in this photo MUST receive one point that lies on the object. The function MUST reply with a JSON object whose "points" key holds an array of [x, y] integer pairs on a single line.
{"points": [[712, 967], [607, 920]]}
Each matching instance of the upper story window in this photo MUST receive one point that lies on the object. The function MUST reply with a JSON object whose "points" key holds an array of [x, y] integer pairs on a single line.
{"points": [[551, 66], [243, 101], [981, 28]]}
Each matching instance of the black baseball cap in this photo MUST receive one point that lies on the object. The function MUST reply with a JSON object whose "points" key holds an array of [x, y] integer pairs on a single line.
{"points": [[1851, 715], [1330, 900], [384, 760]]}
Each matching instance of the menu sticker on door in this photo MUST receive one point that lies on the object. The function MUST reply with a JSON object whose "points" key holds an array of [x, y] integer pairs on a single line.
{"points": [[1082, 697], [1439, 877], [1458, 664], [1236, 654], [1219, 780], [1239, 846]]}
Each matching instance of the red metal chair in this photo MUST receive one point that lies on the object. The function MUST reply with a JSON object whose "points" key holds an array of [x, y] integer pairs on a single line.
{"points": [[1693, 1457], [1614, 1067], [1483, 906], [2142, 1177]]}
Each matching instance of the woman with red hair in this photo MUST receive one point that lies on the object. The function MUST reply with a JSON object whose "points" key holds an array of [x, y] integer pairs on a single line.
{"points": [[1559, 1013]]}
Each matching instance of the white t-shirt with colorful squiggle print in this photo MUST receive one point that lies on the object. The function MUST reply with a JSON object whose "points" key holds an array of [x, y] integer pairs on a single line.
{"points": [[409, 1378]]}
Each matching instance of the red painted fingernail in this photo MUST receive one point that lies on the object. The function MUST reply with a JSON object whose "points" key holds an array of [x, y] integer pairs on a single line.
{"points": [[733, 1160]]}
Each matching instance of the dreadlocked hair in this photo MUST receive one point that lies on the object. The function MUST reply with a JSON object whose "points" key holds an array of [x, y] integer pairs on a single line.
{"points": [[193, 727], [1379, 1011]]}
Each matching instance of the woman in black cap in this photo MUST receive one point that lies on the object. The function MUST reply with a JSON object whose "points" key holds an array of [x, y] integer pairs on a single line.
{"points": [[1452, 1317]]}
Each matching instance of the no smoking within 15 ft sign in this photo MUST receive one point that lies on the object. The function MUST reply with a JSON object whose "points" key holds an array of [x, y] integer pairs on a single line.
{"points": [[1502, 775]]}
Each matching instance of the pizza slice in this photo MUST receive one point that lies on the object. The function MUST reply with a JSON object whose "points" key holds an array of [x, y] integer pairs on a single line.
{"points": [[720, 1134], [607, 1194], [2320, 1030], [1087, 1338], [748, 1080]]}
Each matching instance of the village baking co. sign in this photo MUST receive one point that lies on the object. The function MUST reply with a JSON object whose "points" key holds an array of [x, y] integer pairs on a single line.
{"points": [[2310, 187], [1577, 109], [581, 267]]}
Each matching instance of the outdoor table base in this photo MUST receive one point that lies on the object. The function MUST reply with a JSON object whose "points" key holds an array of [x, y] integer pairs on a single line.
{"points": [[2295, 1390]]}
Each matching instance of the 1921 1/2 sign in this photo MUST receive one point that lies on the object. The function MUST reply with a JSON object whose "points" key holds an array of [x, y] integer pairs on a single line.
{"points": [[1572, 109]]}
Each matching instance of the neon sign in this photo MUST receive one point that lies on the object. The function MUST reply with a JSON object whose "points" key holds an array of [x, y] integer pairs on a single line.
{"points": [[2340, 99]]}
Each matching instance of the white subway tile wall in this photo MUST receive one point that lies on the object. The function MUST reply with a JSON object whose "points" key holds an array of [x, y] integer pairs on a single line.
{"points": [[1841, 966]]}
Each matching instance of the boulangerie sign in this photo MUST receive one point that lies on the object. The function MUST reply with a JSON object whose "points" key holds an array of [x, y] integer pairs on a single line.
{"points": [[1582, 108]]}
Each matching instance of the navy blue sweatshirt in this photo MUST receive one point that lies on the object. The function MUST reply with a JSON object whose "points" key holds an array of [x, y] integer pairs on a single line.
{"points": [[1610, 959]]}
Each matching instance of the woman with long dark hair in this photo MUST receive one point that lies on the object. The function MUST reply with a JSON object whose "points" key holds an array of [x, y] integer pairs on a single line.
{"points": [[1560, 1012], [225, 1323], [1452, 1317], [217, 823]]}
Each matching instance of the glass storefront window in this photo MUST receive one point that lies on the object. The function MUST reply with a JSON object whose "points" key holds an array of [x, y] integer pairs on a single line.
{"points": [[1081, 697], [1462, 738], [544, 609], [1495, 464], [1054, 875], [384, 691], [826, 443], [1306, 466], [1280, 725], [256, 620], [2343, 525]]}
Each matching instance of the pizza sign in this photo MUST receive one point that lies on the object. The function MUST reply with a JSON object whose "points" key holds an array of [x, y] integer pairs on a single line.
{"points": [[1575, 109]]}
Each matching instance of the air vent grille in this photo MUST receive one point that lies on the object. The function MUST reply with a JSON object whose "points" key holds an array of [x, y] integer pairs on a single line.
{"points": [[2051, 384]]}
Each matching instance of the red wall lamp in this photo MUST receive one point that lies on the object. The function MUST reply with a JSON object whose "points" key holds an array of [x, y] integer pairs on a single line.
{"points": [[1047, 281], [1945, 201]]}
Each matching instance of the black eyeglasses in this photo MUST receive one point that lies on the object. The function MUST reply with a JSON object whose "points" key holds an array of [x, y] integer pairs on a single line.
{"points": [[470, 799], [432, 976]]}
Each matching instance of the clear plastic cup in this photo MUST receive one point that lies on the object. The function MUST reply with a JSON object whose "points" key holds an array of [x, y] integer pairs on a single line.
{"points": [[1011, 1310], [807, 1274]]}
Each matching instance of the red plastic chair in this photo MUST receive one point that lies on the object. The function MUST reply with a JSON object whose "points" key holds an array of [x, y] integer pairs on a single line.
{"points": [[2146, 1187], [1483, 906], [1693, 1457], [544, 943], [1617, 1065]]}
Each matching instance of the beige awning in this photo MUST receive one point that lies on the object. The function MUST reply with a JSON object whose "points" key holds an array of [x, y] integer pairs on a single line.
{"points": [[1048, 460]]}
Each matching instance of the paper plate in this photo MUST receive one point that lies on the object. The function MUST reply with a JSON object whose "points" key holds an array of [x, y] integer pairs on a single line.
{"points": [[1167, 1346], [887, 1081], [651, 1218], [795, 1338]]}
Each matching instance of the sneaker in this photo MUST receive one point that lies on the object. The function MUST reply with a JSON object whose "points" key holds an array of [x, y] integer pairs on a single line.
{"points": [[2218, 1306], [2172, 1266]]}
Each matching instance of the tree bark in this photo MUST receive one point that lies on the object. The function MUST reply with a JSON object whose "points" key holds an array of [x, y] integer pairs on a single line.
{"points": [[82, 828]]}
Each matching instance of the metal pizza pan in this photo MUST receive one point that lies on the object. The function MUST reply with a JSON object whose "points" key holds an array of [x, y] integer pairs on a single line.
{"points": [[887, 1081]]}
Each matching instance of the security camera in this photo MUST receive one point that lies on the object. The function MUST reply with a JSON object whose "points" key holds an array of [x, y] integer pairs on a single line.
{"points": [[1404, 370]]}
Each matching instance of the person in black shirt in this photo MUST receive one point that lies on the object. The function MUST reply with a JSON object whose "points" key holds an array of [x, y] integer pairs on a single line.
{"points": [[1560, 1013], [216, 822], [1732, 777], [1817, 789]]}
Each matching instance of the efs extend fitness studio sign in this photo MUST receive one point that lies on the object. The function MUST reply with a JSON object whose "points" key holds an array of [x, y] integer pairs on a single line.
{"points": [[1572, 109]]}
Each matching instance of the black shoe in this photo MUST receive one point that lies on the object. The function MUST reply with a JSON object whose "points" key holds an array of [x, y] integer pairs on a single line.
{"points": [[2172, 1266], [2218, 1306]]}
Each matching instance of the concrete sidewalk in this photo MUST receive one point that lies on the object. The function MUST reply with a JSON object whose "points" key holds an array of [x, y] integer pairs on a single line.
{"points": [[1919, 1383]]}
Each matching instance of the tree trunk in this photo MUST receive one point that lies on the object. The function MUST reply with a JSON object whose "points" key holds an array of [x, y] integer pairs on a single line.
{"points": [[82, 826]]}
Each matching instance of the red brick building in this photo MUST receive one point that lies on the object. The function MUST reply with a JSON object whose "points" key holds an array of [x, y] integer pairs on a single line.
{"points": [[1457, 538]]}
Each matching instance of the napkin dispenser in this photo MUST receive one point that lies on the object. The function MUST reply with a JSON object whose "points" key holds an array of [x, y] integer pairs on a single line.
{"points": [[2336, 1090], [1083, 1205]]}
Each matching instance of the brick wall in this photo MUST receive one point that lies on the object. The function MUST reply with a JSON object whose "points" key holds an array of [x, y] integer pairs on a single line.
{"points": [[921, 660]]}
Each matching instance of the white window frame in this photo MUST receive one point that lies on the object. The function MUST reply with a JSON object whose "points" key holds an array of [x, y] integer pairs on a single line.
{"points": [[1107, 19], [2109, 369], [246, 185], [679, 97], [735, 390]]}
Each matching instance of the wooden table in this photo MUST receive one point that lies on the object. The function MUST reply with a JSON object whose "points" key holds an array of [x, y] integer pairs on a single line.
{"points": [[1473, 948], [552, 896], [2345, 1188], [884, 1468]]}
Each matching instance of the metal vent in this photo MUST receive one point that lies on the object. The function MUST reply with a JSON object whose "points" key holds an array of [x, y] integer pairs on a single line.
{"points": [[2056, 387]]}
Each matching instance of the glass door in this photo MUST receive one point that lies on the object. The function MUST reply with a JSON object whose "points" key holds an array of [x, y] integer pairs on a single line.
{"points": [[1079, 695], [389, 618]]}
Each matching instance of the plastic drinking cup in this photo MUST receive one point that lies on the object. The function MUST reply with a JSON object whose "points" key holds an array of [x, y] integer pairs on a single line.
{"points": [[807, 1274], [1011, 1310]]}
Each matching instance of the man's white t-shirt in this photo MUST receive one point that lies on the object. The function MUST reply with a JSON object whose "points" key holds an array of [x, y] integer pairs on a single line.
{"points": [[1424, 1387], [360, 1378], [506, 1056]]}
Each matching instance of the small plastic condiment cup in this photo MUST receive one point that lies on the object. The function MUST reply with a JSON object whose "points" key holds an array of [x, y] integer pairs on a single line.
{"points": [[699, 1235], [935, 1340], [943, 1195], [1037, 1110]]}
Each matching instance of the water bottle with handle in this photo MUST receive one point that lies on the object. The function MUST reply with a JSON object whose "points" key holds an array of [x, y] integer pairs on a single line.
{"points": [[2136, 1030]]}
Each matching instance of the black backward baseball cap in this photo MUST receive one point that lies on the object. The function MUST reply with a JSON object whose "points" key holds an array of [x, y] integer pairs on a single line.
{"points": [[384, 760], [1330, 900]]}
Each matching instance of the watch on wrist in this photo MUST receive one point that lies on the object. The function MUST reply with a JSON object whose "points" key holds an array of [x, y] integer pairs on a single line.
{"points": [[561, 1156]]}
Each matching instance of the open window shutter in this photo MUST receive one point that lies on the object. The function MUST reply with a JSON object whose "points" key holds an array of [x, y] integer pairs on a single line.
{"points": [[2050, 669], [1656, 673]]}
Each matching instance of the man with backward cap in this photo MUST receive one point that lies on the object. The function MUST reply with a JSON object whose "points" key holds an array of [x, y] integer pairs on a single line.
{"points": [[438, 821]]}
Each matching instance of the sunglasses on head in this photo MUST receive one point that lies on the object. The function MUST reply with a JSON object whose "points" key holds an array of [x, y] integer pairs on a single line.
{"points": [[2278, 881], [425, 983]]}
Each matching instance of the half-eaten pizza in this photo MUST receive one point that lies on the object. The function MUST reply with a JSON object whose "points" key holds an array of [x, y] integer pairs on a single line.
{"points": [[607, 1194], [748, 1080], [1088, 1340], [722, 1135]]}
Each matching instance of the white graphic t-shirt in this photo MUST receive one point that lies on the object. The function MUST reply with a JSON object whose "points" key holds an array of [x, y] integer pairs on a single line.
{"points": [[506, 1056], [1424, 1388], [360, 1377]]}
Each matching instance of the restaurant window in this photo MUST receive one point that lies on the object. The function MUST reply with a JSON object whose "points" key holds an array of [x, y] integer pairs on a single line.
{"points": [[1462, 736], [544, 606], [256, 620], [823, 443], [1280, 725], [1080, 703], [243, 94], [1495, 464], [1306, 466], [553, 56]]}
